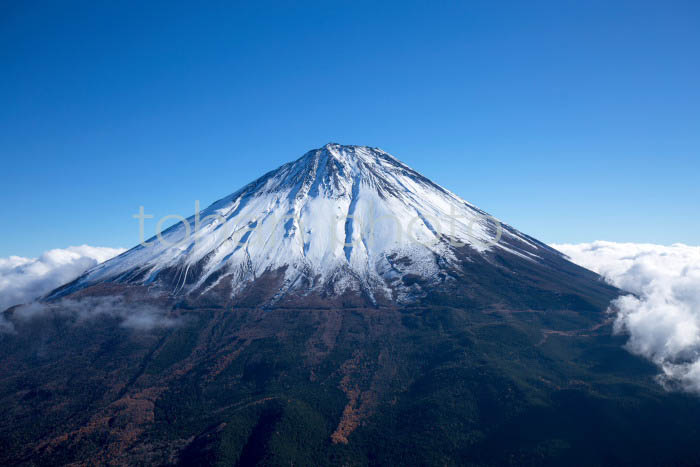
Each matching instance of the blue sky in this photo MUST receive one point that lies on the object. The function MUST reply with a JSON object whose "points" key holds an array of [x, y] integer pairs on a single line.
{"points": [[572, 121]]}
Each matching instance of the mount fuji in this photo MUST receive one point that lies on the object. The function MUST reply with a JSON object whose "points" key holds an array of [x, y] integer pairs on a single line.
{"points": [[340, 310]]}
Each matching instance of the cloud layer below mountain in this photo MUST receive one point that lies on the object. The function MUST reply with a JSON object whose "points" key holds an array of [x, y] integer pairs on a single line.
{"points": [[662, 317], [24, 279]]}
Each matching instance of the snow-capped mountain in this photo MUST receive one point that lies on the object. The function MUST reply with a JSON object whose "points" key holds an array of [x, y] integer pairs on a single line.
{"points": [[340, 219], [338, 307]]}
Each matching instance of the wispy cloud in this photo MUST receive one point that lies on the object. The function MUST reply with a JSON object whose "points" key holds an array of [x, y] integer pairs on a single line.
{"points": [[25, 279], [143, 317], [662, 318]]}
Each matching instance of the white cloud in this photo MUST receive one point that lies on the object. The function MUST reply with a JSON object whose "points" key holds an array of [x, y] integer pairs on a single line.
{"points": [[145, 317], [663, 316], [25, 279]]}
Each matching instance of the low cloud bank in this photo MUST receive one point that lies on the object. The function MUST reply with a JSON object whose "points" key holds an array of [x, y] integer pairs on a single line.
{"points": [[25, 279], [137, 318], [662, 318]]}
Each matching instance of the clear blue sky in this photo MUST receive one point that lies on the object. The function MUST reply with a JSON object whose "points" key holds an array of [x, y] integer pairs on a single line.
{"points": [[572, 121]]}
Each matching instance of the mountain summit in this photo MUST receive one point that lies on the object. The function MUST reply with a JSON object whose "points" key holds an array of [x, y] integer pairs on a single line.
{"points": [[341, 221]]}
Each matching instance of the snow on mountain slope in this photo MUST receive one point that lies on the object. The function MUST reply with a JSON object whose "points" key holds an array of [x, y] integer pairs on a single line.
{"points": [[338, 218]]}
